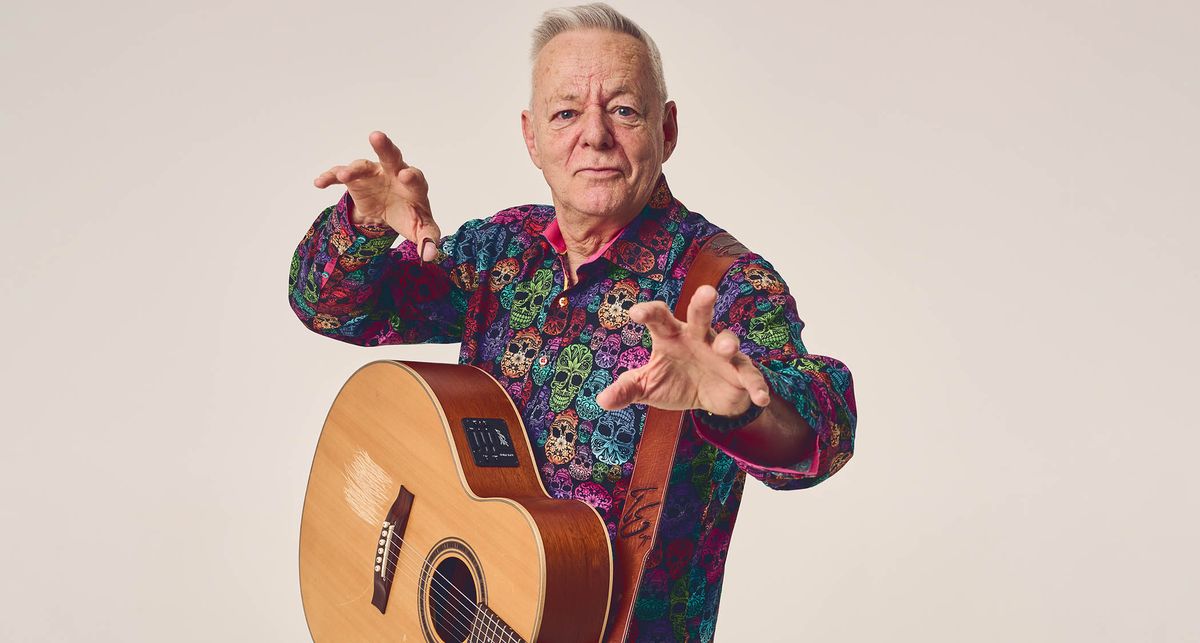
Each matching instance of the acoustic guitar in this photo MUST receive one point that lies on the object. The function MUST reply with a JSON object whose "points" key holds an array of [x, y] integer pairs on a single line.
{"points": [[425, 519]]}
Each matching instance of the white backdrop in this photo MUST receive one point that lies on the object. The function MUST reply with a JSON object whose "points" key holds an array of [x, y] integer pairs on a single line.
{"points": [[987, 210]]}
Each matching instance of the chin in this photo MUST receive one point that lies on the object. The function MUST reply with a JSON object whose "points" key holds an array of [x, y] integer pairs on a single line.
{"points": [[602, 201]]}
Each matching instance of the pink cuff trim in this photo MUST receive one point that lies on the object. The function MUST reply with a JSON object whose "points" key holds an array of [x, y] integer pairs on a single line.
{"points": [[814, 460]]}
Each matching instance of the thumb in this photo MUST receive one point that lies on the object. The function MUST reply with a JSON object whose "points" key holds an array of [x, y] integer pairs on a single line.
{"points": [[621, 393], [427, 237]]}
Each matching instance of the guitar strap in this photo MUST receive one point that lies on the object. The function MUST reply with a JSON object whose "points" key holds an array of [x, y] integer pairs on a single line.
{"points": [[638, 527]]}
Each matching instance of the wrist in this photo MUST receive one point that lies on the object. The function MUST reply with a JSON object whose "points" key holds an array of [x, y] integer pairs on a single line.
{"points": [[727, 423]]}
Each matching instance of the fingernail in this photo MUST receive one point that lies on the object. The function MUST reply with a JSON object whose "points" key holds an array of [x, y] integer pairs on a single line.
{"points": [[428, 250]]}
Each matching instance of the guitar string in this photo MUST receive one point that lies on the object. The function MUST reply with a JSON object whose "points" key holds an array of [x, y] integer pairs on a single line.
{"points": [[463, 599], [463, 619], [465, 605], [490, 619]]}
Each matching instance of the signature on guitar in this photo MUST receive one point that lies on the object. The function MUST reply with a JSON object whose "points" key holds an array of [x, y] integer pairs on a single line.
{"points": [[633, 523]]}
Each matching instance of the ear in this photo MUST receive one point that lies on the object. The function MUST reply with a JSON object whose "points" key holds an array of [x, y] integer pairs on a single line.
{"points": [[530, 140], [670, 129]]}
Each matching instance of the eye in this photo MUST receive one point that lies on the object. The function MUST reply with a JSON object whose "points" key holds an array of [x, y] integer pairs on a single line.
{"points": [[564, 114], [625, 111]]}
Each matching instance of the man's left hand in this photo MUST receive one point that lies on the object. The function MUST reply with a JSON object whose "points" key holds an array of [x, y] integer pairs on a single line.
{"points": [[691, 366]]}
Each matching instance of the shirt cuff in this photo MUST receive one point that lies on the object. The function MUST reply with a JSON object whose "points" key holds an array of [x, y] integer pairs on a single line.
{"points": [[807, 467], [343, 224]]}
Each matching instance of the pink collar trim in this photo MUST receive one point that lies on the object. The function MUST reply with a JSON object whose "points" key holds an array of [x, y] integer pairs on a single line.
{"points": [[554, 236]]}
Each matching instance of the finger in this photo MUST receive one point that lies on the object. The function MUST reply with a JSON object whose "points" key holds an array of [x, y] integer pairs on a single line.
{"points": [[328, 177], [389, 155], [727, 345], [626, 390], [752, 380], [429, 235], [657, 318], [424, 231], [700, 313], [746, 373], [358, 169]]}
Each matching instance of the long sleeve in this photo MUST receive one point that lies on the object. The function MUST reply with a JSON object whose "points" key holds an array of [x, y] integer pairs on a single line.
{"points": [[348, 283], [753, 301]]}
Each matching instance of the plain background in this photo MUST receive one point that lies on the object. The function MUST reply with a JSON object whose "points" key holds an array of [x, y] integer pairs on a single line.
{"points": [[987, 210]]}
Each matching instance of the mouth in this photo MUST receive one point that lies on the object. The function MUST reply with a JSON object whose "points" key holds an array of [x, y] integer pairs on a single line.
{"points": [[599, 172]]}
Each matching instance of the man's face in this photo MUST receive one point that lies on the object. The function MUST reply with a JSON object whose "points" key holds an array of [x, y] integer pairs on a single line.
{"points": [[597, 127]]}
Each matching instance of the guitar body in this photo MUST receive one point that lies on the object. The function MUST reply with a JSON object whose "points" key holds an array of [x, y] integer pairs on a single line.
{"points": [[421, 524]]}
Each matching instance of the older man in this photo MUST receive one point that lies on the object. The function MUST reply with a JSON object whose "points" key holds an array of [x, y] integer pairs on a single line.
{"points": [[568, 307]]}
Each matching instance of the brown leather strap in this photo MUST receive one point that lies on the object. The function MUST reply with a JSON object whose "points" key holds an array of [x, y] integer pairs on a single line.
{"points": [[655, 454]]}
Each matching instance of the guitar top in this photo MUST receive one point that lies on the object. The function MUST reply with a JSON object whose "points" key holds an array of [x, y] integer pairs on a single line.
{"points": [[425, 519]]}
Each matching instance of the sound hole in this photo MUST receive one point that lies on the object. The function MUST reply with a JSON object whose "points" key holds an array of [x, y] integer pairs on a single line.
{"points": [[452, 599]]}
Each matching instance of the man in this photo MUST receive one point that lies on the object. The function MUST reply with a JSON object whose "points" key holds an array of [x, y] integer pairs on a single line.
{"points": [[569, 308]]}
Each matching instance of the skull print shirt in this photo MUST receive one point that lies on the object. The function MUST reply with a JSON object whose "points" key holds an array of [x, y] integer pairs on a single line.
{"points": [[498, 287]]}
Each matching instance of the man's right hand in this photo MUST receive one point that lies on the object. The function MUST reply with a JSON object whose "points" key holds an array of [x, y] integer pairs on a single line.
{"points": [[389, 192]]}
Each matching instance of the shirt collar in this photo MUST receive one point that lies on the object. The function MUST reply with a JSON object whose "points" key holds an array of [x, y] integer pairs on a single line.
{"points": [[628, 248]]}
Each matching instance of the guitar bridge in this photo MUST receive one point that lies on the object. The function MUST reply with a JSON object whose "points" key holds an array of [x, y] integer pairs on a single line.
{"points": [[387, 555]]}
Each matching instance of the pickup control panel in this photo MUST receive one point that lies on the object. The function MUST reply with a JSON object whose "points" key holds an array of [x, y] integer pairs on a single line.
{"points": [[490, 442]]}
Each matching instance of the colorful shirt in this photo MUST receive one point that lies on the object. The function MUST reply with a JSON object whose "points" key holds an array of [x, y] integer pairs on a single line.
{"points": [[498, 287]]}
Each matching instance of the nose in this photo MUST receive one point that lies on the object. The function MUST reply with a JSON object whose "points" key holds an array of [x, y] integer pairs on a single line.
{"points": [[596, 132]]}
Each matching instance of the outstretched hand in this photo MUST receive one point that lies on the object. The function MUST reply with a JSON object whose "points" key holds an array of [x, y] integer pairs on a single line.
{"points": [[389, 192], [691, 366]]}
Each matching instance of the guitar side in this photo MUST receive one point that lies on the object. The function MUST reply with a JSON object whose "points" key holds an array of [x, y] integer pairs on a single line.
{"points": [[518, 562]]}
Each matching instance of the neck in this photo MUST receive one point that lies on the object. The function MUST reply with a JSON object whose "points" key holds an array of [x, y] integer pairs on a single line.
{"points": [[585, 235]]}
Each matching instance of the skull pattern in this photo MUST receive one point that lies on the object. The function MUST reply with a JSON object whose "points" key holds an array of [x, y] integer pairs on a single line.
{"points": [[529, 297], [633, 255], [635, 357], [595, 495], [762, 279], [713, 551], [585, 401], [325, 322], [631, 333], [494, 340], [597, 338], [502, 274], [573, 366], [678, 554], [769, 329], [581, 465], [613, 439], [560, 484], [351, 262], [465, 277], [615, 305], [554, 320], [655, 237], [560, 445], [606, 355], [520, 352]]}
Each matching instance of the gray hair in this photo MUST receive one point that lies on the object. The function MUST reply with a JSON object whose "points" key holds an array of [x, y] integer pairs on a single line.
{"points": [[597, 15]]}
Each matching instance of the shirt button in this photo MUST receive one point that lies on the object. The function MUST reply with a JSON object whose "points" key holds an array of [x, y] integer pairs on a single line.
{"points": [[562, 301]]}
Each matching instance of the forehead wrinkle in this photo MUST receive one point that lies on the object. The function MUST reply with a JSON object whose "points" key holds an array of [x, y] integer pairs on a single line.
{"points": [[618, 61]]}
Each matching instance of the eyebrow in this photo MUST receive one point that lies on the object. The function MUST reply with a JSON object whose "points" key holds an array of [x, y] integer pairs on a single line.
{"points": [[617, 91]]}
